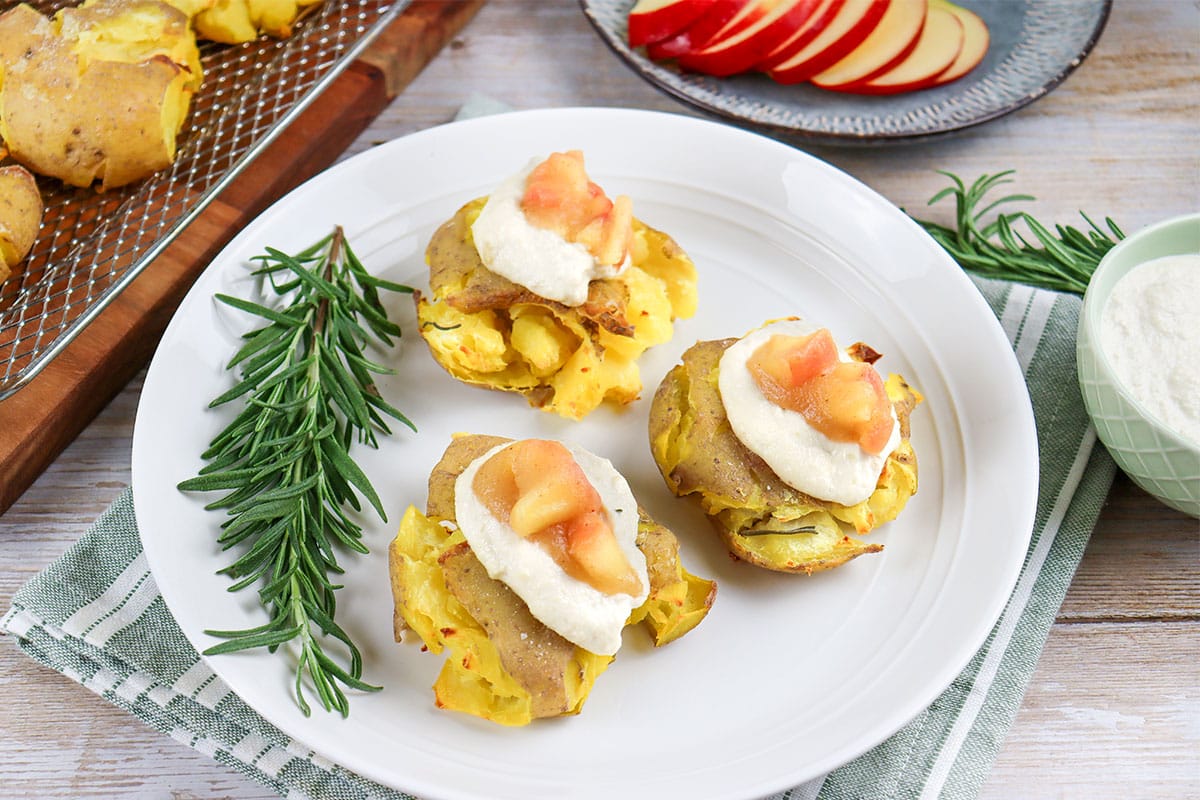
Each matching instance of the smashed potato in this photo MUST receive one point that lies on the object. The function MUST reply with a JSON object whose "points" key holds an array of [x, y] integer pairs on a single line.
{"points": [[488, 331], [237, 21], [191, 7], [503, 664], [20, 216], [761, 519], [99, 92]]}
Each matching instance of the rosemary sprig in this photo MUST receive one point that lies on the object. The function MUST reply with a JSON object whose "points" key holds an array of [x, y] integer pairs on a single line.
{"points": [[1064, 261], [284, 460], [788, 532]]}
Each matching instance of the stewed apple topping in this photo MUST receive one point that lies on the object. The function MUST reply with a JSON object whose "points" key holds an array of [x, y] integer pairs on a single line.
{"points": [[844, 400], [560, 197], [536, 487]]}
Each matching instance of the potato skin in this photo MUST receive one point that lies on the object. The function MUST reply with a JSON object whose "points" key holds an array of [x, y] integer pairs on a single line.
{"points": [[20, 216], [237, 21], [503, 664], [99, 92], [698, 454]]}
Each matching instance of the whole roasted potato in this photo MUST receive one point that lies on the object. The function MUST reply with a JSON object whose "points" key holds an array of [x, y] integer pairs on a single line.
{"points": [[20, 216], [97, 93]]}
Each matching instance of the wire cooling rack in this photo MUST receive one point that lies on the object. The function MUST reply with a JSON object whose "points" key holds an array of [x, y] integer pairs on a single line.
{"points": [[92, 245]]}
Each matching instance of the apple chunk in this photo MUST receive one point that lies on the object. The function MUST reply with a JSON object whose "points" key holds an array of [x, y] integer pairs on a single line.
{"points": [[975, 42], [844, 400], [654, 20], [937, 48], [890, 43], [737, 51], [852, 23], [541, 492]]}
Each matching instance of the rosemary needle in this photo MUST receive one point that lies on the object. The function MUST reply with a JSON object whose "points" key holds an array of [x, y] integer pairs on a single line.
{"points": [[1063, 259], [284, 460]]}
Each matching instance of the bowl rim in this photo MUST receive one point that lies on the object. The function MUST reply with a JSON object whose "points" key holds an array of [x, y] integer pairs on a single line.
{"points": [[1096, 296]]}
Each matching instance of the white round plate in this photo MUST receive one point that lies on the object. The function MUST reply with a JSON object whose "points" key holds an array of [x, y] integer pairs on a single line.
{"points": [[789, 676]]}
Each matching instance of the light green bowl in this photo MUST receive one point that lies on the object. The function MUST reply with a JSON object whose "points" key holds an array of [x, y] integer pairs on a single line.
{"points": [[1154, 457]]}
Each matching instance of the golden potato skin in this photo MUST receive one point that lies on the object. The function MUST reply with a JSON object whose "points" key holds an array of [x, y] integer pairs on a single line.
{"points": [[488, 331], [20, 216], [191, 7], [99, 92], [237, 21], [133, 31], [756, 513], [503, 664]]}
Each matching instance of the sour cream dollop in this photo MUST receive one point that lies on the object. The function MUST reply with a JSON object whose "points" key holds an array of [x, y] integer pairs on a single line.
{"points": [[537, 258], [571, 608], [802, 456], [1150, 331]]}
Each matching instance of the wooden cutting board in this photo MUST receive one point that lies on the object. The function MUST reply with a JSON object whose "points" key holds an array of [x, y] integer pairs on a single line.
{"points": [[42, 418]]}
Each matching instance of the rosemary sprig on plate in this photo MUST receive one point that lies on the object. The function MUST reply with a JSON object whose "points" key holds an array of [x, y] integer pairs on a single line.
{"points": [[1063, 259], [284, 460], [785, 532]]}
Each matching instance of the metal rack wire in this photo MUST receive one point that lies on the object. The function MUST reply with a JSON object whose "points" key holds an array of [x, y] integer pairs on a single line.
{"points": [[92, 245]]}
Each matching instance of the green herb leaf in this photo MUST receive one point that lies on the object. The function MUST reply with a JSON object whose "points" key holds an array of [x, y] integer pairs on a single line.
{"points": [[774, 532], [284, 463], [1063, 259]]}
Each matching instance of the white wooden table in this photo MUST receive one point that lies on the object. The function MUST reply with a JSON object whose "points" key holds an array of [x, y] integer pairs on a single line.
{"points": [[1114, 708]]}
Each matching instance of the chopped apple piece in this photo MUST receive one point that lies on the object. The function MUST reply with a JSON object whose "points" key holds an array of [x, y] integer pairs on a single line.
{"points": [[844, 400], [608, 238], [795, 360], [592, 545], [548, 503], [542, 493], [851, 404], [560, 197]]}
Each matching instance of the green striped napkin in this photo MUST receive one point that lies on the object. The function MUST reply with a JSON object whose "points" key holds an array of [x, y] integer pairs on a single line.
{"points": [[96, 615]]}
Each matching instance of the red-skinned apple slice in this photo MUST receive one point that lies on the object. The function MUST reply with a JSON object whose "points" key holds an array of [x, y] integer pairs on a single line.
{"points": [[822, 14], [654, 20], [937, 48], [852, 24], [730, 53], [700, 32], [976, 40], [890, 43]]}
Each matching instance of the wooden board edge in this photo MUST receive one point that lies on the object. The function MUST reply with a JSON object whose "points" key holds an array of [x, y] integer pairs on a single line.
{"points": [[42, 418]]}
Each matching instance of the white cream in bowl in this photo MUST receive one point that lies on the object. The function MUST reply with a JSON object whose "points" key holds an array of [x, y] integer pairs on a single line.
{"points": [[1150, 333]]}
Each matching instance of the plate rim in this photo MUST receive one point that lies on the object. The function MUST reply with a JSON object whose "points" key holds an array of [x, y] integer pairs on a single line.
{"points": [[1023, 415], [849, 138]]}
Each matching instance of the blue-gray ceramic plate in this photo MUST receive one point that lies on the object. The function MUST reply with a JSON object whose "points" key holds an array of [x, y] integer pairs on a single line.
{"points": [[1035, 45]]}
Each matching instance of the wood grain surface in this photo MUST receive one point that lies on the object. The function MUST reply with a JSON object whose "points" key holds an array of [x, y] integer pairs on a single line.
{"points": [[41, 418], [1113, 710]]}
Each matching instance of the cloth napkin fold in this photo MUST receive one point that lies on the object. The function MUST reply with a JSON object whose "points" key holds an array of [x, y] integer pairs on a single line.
{"points": [[96, 616]]}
